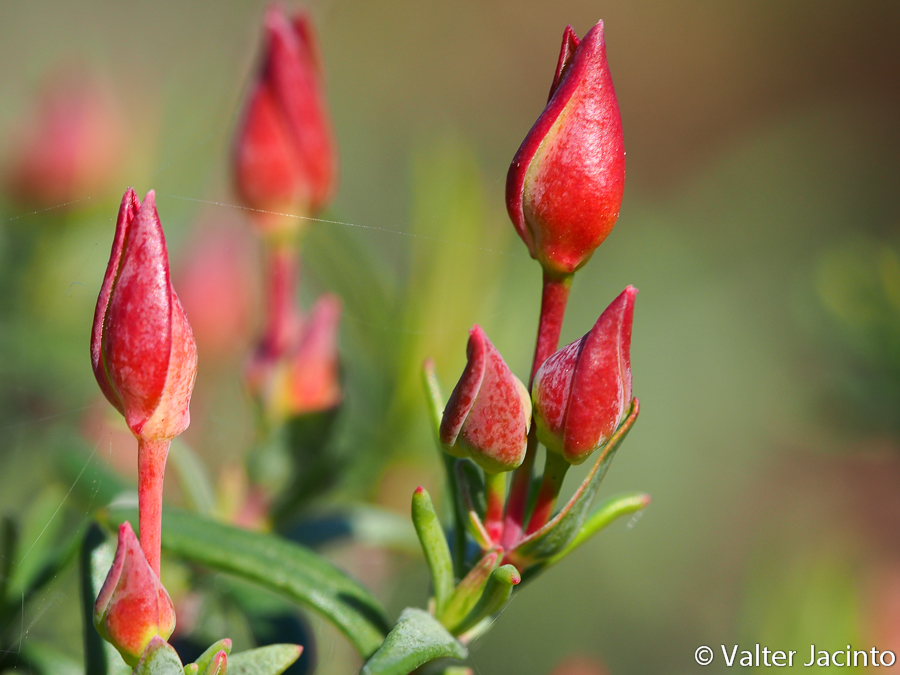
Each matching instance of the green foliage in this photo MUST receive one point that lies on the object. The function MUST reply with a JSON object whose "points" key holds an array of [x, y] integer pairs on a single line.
{"points": [[281, 566], [416, 639]]}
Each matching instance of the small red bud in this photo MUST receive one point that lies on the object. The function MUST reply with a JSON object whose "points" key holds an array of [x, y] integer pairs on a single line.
{"points": [[132, 606], [583, 392], [284, 154], [489, 412], [565, 183], [305, 377], [142, 347]]}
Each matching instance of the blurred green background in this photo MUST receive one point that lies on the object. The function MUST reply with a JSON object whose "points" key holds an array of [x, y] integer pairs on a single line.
{"points": [[761, 223]]}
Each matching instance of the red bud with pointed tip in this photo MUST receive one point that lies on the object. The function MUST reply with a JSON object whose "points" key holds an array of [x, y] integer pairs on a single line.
{"points": [[132, 607], [583, 392], [565, 184], [142, 348], [304, 376], [284, 154], [489, 412]]}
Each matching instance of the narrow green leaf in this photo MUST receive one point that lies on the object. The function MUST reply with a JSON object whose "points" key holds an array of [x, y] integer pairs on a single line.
{"points": [[191, 669], [603, 515], [271, 660], [434, 398], [159, 659], [47, 660], [193, 478], [203, 660], [434, 545], [416, 639], [472, 500], [496, 593], [468, 591], [564, 527], [97, 553], [282, 566]]}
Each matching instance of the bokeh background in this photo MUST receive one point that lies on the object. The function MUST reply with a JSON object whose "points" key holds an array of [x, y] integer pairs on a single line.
{"points": [[761, 223]]}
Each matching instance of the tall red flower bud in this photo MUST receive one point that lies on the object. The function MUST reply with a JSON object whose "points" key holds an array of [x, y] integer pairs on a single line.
{"points": [[142, 347], [583, 392], [489, 412], [284, 155], [143, 352], [565, 184], [132, 606]]}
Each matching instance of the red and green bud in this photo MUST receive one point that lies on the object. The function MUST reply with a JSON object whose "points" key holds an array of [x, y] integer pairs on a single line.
{"points": [[132, 607], [565, 184], [489, 412], [300, 374], [583, 392], [142, 348], [284, 154]]}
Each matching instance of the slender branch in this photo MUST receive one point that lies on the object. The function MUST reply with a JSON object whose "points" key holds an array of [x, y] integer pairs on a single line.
{"points": [[151, 473]]}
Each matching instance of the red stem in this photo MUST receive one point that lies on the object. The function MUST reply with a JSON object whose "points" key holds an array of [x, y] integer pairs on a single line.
{"points": [[151, 473], [282, 269], [554, 297], [554, 473], [496, 495]]}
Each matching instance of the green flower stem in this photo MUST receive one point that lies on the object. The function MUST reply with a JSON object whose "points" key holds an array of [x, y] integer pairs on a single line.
{"points": [[554, 473], [282, 269], [151, 473], [434, 545], [554, 298], [495, 491]]}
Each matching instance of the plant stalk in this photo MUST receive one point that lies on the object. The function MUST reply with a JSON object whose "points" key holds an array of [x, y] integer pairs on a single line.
{"points": [[152, 457]]}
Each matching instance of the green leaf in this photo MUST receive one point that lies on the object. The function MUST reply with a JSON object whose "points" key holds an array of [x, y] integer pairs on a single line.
{"points": [[496, 593], [563, 528], [159, 659], [416, 639], [468, 591], [97, 553], [434, 545], [289, 569], [203, 660], [603, 515], [47, 660], [472, 500], [193, 478], [271, 660]]}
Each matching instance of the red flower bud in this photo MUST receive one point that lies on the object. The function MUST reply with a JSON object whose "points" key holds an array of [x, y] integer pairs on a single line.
{"points": [[68, 146], [565, 184], [132, 606], [284, 155], [305, 377], [583, 392], [142, 347], [489, 412]]}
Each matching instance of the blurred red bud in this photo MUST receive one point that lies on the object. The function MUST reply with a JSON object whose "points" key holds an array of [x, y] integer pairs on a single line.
{"points": [[68, 147], [489, 412], [305, 377], [583, 392], [565, 184], [284, 155], [132, 606], [217, 288], [142, 348]]}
